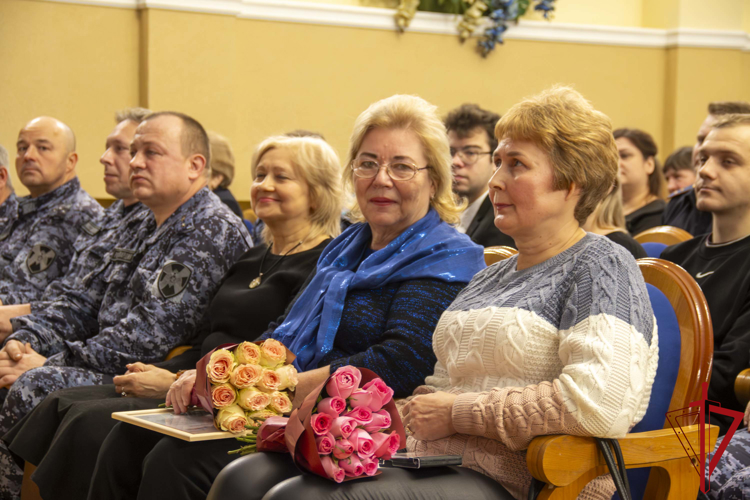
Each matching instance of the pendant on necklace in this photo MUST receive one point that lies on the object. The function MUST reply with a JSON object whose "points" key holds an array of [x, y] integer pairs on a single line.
{"points": [[255, 283]]}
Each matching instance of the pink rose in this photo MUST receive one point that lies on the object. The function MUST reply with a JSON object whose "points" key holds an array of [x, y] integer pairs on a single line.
{"points": [[362, 415], [359, 398], [223, 395], [321, 423], [352, 466], [370, 465], [325, 444], [362, 443], [246, 376], [386, 444], [220, 365], [332, 470], [269, 381], [247, 353], [342, 449], [272, 353], [332, 406], [232, 419], [381, 393], [343, 382], [380, 420], [343, 426]]}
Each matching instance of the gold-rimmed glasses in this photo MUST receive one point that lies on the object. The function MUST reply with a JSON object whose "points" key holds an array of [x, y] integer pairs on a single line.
{"points": [[398, 170]]}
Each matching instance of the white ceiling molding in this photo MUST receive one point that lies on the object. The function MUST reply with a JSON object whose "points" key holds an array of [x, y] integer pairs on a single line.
{"points": [[430, 22]]}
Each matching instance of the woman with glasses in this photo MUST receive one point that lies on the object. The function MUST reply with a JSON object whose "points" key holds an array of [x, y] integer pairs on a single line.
{"points": [[374, 300]]}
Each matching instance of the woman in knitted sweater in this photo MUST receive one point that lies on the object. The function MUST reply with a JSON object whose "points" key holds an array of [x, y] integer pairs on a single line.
{"points": [[560, 339]]}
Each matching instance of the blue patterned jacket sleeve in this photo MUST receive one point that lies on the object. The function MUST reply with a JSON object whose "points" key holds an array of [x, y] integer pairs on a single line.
{"points": [[403, 355], [169, 294]]}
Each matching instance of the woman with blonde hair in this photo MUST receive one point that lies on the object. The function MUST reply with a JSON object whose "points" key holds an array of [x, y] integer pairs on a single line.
{"points": [[607, 219], [558, 339], [377, 293]]}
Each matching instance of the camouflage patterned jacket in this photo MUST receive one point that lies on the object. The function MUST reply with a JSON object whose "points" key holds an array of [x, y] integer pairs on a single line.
{"points": [[8, 212], [36, 249], [91, 245], [156, 285]]}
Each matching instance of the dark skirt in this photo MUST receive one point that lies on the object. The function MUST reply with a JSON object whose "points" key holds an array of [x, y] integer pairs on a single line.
{"points": [[63, 434]]}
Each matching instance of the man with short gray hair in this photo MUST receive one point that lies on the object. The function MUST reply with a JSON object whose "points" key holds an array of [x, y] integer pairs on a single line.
{"points": [[8, 200]]}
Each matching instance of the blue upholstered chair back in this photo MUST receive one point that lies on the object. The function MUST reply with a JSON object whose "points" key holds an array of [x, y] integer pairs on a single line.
{"points": [[654, 249], [670, 343]]}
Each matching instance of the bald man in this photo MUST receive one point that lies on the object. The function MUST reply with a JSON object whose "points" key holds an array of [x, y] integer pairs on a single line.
{"points": [[8, 200], [37, 248]]}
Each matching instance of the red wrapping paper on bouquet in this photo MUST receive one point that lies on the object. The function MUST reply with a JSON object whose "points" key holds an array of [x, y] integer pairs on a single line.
{"points": [[300, 438], [201, 394]]}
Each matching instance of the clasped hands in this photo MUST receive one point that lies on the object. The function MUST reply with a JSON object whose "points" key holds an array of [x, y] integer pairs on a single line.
{"points": [[144, 381], [429, 417], [15, 360]]}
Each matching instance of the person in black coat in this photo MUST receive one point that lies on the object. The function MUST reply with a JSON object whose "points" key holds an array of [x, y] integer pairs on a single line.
{"points": [[471, 133]]}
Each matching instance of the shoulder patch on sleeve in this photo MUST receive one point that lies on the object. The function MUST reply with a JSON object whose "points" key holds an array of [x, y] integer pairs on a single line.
{"points": [[91, 228], [40, 258], [173, 279]]}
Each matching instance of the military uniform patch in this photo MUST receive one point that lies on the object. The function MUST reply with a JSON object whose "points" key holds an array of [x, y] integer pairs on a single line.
{"points": [[91, 228], [173, 279], [122, 255], [40, 258]]}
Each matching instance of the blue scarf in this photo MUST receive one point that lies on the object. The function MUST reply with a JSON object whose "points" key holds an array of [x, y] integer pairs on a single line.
{"points": [[428, 249]]}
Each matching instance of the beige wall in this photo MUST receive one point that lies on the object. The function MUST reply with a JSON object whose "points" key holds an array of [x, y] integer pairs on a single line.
{"points": [[247, 79]]}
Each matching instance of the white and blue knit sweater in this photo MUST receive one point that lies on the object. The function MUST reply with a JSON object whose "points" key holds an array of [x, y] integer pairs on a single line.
{"points": [[568, 346]]}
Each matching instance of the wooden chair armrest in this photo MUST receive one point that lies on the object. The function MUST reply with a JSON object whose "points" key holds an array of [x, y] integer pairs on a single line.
{"points": [[561, 460], [742, 386]]}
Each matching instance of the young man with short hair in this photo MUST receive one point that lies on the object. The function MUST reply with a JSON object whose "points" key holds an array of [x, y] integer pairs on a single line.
{"points": [[471, 133]]}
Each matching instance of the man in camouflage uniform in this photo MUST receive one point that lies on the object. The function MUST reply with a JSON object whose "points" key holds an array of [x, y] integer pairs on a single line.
{"points": [[156, 285], [8, 200], [37, 247], [122, 217]]}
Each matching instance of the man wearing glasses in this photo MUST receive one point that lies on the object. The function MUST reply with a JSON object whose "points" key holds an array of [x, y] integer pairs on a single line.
{"points": [[472, 141]]}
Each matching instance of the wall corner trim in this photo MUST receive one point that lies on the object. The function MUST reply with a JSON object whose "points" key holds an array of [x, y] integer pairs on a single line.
{"points": [[435, 23]]}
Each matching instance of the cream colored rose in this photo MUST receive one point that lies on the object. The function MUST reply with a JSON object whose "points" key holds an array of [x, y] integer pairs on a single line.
{"points": [[280, 403], [252, 399], [223, 395], [232, 419], [288, 377], [246, 376], [220, 366], [247, 353], [269, 381], [272, 353]]}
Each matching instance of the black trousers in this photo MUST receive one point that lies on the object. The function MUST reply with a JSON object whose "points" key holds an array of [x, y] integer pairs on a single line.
{"points": [[139, 463], [273, 476], [63, 434]]}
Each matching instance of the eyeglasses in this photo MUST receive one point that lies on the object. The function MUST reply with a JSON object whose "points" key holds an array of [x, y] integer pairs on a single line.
{"points": [[468, 156], [367, 168]]}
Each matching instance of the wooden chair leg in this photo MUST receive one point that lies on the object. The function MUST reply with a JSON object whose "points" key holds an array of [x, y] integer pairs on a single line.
{"points": [[673, 480], [571, 491], [29, 489]]}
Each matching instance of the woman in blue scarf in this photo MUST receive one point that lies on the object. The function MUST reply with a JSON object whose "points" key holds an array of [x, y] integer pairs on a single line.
{"points": [[374, 300]]}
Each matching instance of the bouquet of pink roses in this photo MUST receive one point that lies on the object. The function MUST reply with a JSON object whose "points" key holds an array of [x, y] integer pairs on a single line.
{"points": [[341, 430], [243, 384]]}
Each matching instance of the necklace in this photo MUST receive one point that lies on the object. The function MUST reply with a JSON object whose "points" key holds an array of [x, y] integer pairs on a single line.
{"points": [[256, 282]]}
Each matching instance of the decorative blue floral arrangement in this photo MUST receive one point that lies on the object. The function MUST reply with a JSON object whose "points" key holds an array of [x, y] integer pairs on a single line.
{"points": [[498, 12]]}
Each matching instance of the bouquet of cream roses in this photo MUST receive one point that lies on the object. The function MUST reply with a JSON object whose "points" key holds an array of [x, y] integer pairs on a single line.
{"points": [[243, 384]]}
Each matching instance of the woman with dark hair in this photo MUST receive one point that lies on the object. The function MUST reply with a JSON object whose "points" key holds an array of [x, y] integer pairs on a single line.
{"points": [[642, 180]]}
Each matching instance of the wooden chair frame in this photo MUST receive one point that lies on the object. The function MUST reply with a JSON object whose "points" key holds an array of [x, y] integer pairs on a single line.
{"points": [[496, 254], [669, 235], [568, 463]]}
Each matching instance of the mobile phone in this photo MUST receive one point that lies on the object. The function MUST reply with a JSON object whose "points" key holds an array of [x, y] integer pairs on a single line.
{"points": [[411, 461]]}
